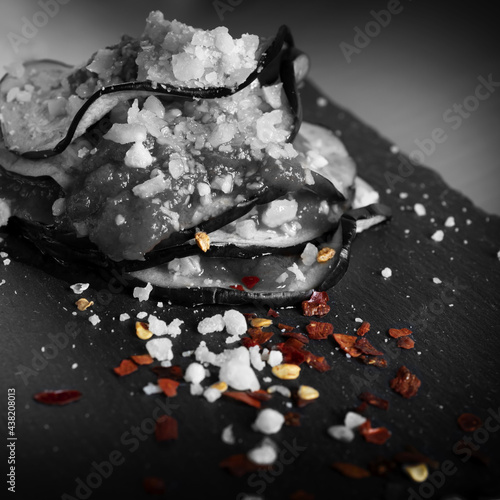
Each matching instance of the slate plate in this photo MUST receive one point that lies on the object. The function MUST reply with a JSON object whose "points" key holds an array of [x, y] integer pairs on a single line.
{"points": [[47, 346]]}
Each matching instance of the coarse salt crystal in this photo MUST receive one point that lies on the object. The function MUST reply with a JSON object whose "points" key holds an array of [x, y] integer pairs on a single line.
{"points": [[194, 373], [124, 316], [196, 390], [228, 435], [264, 454], [438, 236], [211, 324], [437, 281], [449, 222], [212, 394], [403, 196], [268, 421], [94, 319], [142, 293], [151, 388], [341, 433], [353, 420], [160, 349], [255, 358], [237, 372], [419, 209], [275, 358], [141, 315], [79, 287], [386, 272], [236, 323]]}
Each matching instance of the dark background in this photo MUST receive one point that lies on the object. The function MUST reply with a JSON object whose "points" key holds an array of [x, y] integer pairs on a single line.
{"points": [[427, 59]]}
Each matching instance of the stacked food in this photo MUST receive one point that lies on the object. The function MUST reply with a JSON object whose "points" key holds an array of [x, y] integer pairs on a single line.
{"points": [[181, 158]]}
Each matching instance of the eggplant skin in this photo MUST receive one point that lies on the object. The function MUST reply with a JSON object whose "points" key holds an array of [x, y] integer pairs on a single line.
{"points": [[222, 296]]}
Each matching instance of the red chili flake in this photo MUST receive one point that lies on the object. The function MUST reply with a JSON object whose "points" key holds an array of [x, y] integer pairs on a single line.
{"points": [[405, 383], [126, 367], [239, 465], [469, 422], [319, 297], [405, 343], [174, 372], [296, 335], [244, 397], [59, 398], [373, 400], [377, 361], [363, 329], [317, 362], [292, 419], [381, 466], [249, 316], [293, 351], [250, 281], [361, 408], [350, 470], [237, 287], [346, 343], [257, 337], [142, 359], [260, 395], [473, 450], [314, 308], [168, 386], [273, 314], [365, 347], [166, 428], [377, 435], [402, 332], [301, 495], [153, 485], [288, 328], [318, 330]]}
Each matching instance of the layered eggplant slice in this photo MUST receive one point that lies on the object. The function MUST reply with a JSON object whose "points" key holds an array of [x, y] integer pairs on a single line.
{"points": [[181, 133]]}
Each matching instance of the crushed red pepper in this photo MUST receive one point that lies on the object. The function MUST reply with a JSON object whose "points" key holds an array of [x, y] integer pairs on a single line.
{"points": [[377, 361], [126, 367], [350, 470], [347, 344], [294, 352], [257, 336], [405, 383], [154, 485], [287, 328], [296, 335], [174, 372], [142, 359], [166, 428], [365, 347], [469, 422], [317, 305], [273, 314], [405, 343], [363, 329], [250, 281], [168, 386], [59, 398], [402, 332], [373, 400], [375, 435], [244, 397], [292, 419], [318, 330]]}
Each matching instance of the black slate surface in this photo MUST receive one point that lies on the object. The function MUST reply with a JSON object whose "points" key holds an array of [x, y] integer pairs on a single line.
{"points": [[456, 356]]}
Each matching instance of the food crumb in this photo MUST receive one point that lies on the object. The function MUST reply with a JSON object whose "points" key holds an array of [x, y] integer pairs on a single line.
{"points": [[386, 272], [438, 236]]}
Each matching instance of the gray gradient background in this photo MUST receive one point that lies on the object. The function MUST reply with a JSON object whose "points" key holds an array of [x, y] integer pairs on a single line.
{"points": [[425, 60]]}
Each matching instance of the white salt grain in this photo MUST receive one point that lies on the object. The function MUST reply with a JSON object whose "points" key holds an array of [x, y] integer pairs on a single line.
{"points": [[79, 287], [263, 454], [94, 319], [212, 394], [275, 358], [228, 435], [211, 324], [124, 316], [195, 373], [161, 349], [419, 209], [449, 222], [437, 281], [142, 293], [236, 323], [438, 236], [353, 420], [152, 389], [268, 421], [386, 272], [341, 433]]}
